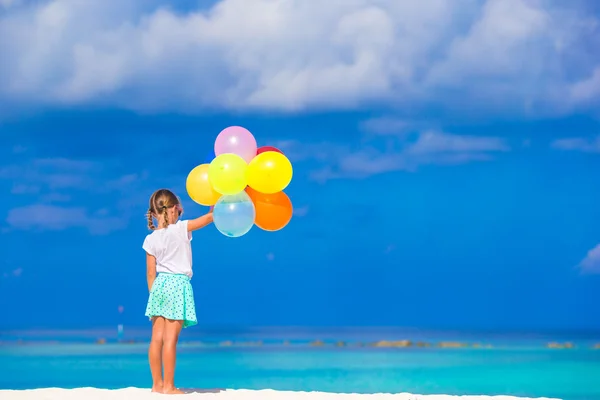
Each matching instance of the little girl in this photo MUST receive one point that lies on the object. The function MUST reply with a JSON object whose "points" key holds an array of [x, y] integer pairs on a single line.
{"points": [[171, 301]]}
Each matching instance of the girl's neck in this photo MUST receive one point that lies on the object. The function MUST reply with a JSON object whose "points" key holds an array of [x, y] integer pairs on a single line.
{"points": [[165, 226]]}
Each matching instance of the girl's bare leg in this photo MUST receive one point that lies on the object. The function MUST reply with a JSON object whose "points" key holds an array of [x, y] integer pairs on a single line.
{"points": [[155, 353], [170, 338]]}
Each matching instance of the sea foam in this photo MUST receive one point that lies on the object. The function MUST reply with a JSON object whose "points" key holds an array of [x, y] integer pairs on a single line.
{"points": [[229, 394]]}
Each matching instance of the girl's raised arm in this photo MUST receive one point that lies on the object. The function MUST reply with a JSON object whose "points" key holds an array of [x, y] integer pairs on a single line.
{"points": [[200, 222]]}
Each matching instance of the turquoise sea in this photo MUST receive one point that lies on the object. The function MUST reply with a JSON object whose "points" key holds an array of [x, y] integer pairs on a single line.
{"points": [[517, 364]]}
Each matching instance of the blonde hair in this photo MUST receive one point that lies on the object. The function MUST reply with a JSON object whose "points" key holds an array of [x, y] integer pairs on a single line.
{"points": [[160, 202]]}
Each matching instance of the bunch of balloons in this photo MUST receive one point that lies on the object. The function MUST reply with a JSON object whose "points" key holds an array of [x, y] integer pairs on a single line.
{"points": [[244, 183]]}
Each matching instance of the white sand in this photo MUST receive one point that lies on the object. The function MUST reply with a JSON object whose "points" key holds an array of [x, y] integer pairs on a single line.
{"points": [[143, 394]]}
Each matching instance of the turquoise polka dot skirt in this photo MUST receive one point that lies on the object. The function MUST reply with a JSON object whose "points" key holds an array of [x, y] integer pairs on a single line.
{"points": [[172, 297]]}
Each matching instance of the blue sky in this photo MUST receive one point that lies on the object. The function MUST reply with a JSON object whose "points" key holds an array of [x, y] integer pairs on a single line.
{"points": [[446, 159]]}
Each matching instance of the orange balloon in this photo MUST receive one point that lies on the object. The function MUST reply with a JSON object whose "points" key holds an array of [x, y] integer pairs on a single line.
{"points": [[273, 210]]}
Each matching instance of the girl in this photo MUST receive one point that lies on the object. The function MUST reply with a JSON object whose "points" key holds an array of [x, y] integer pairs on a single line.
{"points": [[171, 301]]}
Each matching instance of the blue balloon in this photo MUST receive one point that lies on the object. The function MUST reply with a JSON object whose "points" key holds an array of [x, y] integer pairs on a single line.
{"points": [[234, 215], [209, 157]]}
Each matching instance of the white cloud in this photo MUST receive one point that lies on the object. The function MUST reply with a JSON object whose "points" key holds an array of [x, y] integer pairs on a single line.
{"points": [[340, 160], [42, 183], [431, 142], [8, 3], [585, 145], [56, 218], [386, 126], [495, 55], [591, 263], [587, 89], [496, 42], [56, 174]]}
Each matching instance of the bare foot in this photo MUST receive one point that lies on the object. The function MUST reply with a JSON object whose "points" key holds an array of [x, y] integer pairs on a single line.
{"points": [[172, 390], [157, 388]]}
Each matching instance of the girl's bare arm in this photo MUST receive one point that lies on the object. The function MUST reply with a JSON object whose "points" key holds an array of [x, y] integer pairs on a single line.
{"points": [[150, 270], [200, 222]]}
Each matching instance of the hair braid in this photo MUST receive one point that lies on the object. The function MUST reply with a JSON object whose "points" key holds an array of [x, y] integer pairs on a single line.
{"points": [[166, 216], [150, 221]]}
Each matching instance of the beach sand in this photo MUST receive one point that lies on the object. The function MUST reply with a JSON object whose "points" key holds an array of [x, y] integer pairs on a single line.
{"points": [[204, 394]]}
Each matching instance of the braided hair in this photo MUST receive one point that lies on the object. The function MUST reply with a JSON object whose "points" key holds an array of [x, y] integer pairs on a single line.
{"points": [[160, 202]]}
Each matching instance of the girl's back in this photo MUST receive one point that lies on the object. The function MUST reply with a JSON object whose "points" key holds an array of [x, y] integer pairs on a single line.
{"points": [[172, 248]]}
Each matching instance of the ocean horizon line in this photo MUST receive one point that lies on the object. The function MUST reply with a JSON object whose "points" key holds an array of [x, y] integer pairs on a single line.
{"points": [[217, 328]]}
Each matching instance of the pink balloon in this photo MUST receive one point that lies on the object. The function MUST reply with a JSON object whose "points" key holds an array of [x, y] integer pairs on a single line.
{"points": [[236, 140]]}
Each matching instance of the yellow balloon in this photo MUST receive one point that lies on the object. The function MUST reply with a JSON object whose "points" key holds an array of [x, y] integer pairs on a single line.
{"points": [[227, 173], [199, 188], [269, 172]]}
